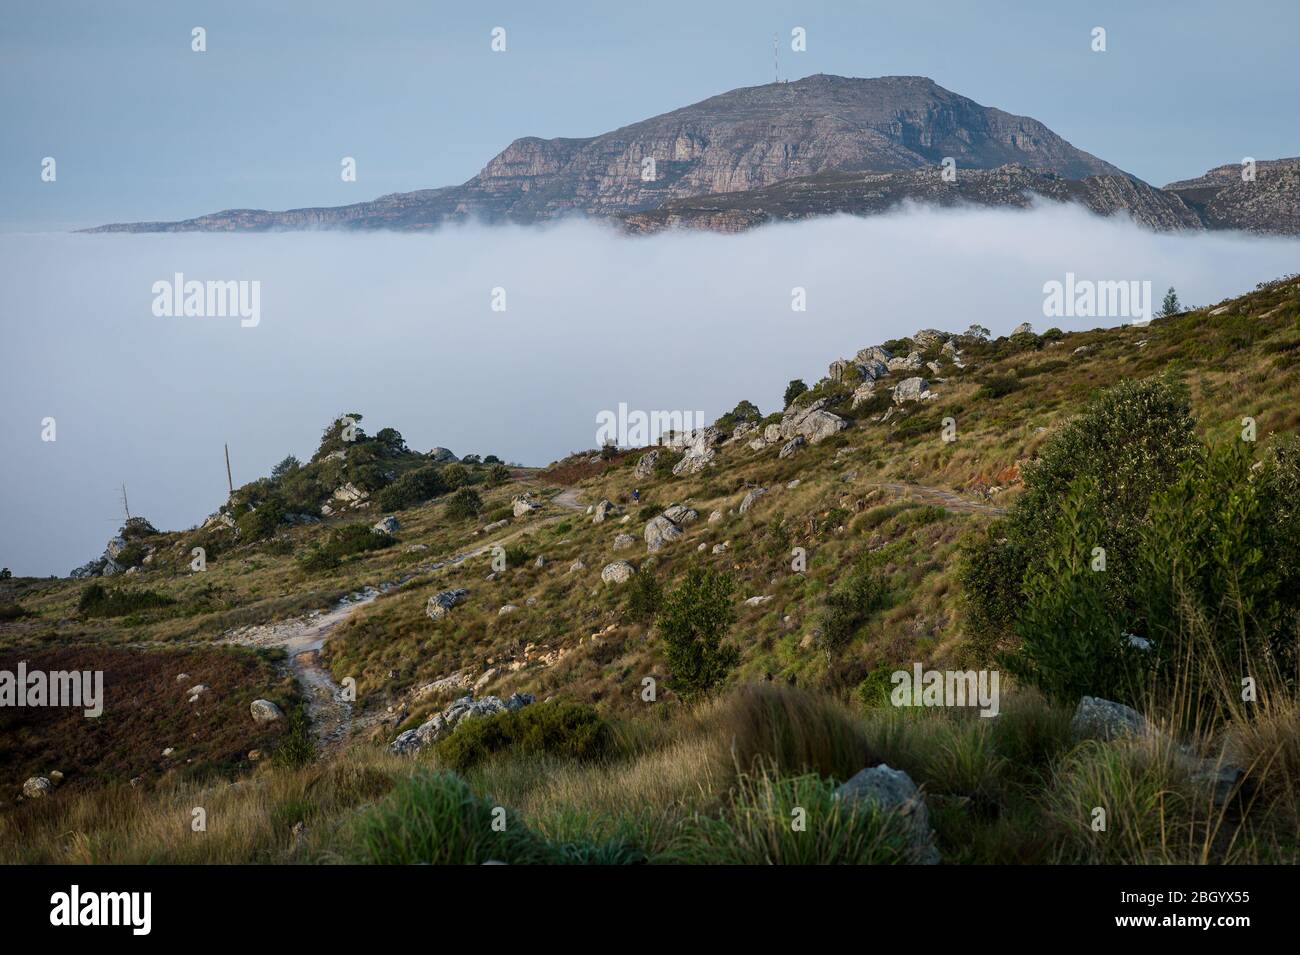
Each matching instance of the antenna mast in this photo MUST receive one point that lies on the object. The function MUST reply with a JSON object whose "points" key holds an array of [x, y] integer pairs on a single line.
{"points": [[776, 61], [230, 484], [125, 506]]}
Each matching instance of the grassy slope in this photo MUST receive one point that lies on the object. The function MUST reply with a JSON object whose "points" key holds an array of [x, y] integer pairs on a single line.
{"points": [[1006, 402]]}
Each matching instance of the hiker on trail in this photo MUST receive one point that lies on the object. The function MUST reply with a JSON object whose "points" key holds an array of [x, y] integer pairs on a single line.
{"points": [[636, 494]]}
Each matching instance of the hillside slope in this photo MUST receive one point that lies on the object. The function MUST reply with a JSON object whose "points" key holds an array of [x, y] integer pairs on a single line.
{"points": [[500, 581]]}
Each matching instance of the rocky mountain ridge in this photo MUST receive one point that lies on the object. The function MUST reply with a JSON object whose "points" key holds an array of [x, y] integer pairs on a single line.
{"points": [[742, 140]]}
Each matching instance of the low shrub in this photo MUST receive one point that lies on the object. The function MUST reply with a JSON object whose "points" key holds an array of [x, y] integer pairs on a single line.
{"points": [[554, 728], [98, 601]]}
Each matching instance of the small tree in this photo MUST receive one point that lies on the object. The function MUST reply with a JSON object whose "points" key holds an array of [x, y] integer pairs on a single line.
{"points": [[793, 391], [287, 466], [693, 621], [1171, 305], [464, 505]]}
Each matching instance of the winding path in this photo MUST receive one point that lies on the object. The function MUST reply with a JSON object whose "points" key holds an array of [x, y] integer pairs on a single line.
{"points": [[944, 498], [303, 637]]}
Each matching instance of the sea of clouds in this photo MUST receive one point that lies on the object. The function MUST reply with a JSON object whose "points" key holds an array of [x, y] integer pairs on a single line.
{"points": [[400, 328]]}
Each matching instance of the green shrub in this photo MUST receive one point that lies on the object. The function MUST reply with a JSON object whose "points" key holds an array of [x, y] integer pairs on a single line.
{"points": [[998, 386], [745, 412], [517, 555], [436, 818], [455, 475], [464, 505], [98, 601], [13, 611], [1221, 569], [557, 728], [1071, 641], [262, 521], [1129, 443], [497, 475], [850, 605], [413, 488], [343, 542], [644, 596], [693, 622], [296, 746]]}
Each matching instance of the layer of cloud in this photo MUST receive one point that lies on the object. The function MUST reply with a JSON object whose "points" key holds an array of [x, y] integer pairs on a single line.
{"points": [[400, 328]]}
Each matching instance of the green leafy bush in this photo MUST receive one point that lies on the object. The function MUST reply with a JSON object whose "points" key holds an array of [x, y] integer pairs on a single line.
{"points": [[558, 728], [1129, 443], [413, 488], [644, 596], [1071, 641], [850, 605], [98, 601], [436, 818], [693, 622], [464, 505]]}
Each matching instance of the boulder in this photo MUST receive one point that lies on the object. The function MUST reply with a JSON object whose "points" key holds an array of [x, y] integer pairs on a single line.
{"points": [[619, 572], [812, 422], [911, 363], [715, 516], [892, 790], [603, 510], [441, 724], [791, 446], [659, 531], [926, 337], [753, 495], [524, 504], [623, 541], [699, 445], [440, 604], [681, 514], [1024, 328], [37, 787], [758, 601], [645, 465], [911, 389], [1095, 718], [864, 392], [388, 526], [877, 353], [264, 711], [577, 565], [442, 456]]}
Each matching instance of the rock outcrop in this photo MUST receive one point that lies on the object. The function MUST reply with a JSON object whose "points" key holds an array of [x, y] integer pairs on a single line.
{"points": [[434, 729], [440, 604]]}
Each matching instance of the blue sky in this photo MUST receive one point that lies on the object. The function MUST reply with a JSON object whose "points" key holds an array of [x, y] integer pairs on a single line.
{"points": [[143, 128]]}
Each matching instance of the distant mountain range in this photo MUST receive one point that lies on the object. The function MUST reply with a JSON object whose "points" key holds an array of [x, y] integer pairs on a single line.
{"points": [[820, 145]]}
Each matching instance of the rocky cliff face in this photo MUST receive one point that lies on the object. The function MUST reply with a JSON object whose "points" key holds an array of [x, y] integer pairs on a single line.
{"points": [[1269, 204], [873, 193], [743, 140]]}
